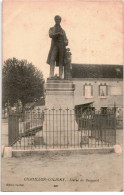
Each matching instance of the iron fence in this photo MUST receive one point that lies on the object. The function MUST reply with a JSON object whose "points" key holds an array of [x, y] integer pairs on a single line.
{"points": [[62, 128]]}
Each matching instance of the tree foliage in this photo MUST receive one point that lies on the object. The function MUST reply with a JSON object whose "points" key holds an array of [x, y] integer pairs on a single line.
{"points": [[21, 80]]}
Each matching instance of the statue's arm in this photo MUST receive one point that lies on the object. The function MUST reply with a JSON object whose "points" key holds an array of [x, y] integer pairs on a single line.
{"points": [[65, 38], [52, 34]]}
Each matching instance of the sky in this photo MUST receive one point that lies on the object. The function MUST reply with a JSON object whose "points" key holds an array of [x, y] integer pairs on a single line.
{"points": [[94, 30]]}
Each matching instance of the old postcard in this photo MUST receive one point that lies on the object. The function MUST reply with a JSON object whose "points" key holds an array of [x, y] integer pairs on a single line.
{"points": [[62, 96]]}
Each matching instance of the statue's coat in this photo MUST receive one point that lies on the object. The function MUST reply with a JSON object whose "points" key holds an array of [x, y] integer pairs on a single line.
{"points": [[52, 29]]}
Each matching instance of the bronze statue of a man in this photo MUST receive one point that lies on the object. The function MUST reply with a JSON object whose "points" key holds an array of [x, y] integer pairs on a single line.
{"points": [[58, 46]]}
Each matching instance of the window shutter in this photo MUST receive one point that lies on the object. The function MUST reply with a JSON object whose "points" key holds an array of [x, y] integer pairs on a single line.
{"points": [[106, 90], [99, 90], [83, 90], [91, 90]]}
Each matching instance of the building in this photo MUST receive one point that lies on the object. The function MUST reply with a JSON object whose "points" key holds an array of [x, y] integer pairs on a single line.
{"points": [[99, 85]]}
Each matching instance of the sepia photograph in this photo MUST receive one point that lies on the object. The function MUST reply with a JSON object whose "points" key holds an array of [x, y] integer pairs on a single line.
{"points": [[62, 96]]}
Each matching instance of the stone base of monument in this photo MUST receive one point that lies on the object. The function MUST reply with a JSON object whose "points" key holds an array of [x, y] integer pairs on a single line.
{"points": [[59, 140], [59, 94], [60, 128]]}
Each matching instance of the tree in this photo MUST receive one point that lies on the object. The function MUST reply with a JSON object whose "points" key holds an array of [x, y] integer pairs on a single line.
{"points": [[21, 80]]}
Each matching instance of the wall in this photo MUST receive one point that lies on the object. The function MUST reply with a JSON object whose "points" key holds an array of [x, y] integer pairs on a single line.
{"points": [[109, 100]]}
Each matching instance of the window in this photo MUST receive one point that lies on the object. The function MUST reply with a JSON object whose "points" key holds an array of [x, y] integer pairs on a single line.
{"points": [[116, 91], [88, 91], [103, 90]]}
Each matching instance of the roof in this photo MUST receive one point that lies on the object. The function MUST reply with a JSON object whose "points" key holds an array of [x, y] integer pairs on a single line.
{"points": [[85, 104], [97, 71]]}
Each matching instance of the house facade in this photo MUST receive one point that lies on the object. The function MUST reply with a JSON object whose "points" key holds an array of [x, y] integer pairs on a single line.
{"points": [[99, 85]]}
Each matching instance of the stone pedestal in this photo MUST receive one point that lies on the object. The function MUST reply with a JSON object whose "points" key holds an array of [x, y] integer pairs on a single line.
{"points": [[59, 93], [60, 127]]}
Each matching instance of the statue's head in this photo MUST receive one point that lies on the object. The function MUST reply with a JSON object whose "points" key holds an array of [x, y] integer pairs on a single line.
{"points": [[57, 19]]}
